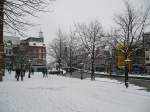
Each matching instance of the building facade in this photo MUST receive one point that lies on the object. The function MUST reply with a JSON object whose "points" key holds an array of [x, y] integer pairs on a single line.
{"points": [[146, 40], [9, 43], [35, 51], [136, 65], [82, 59], [138, 60]]}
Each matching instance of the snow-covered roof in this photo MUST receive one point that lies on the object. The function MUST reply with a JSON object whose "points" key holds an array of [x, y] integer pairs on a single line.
{"points": [[40, 44], [13, 39]]}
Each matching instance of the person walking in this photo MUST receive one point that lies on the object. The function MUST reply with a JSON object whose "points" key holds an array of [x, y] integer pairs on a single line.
{"points": [[46, 72], [17, 75], [32, 70], [43, 71], [22, 73]]}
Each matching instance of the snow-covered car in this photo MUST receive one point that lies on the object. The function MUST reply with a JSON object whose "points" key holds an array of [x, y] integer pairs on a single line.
{"points": [[54, 71]]}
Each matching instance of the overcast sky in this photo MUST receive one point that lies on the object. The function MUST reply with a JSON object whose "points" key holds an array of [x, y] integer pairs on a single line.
{"points": [[65, 13]]}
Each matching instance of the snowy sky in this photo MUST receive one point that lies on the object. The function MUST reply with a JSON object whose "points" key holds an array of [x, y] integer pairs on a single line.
{"points": [[65, 13]]}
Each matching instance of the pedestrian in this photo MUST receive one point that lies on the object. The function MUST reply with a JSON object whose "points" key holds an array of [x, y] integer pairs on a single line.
{"points": [[81, 72], [29, 76], [43, 71], [17, 75], [32, 70], [22, 73], [9, 70], [46, 72]]}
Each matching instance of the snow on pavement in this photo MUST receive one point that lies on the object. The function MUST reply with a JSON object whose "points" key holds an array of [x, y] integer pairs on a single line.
{"points": [[63, 94]]}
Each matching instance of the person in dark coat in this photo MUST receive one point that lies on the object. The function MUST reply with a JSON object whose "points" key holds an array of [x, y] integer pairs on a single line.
{"points": [[22, 73], [18, 73], [46, 72], [43, 71], [32, 70]]}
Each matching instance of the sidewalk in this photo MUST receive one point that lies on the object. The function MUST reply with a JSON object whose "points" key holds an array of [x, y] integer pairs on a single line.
{"points": [[136, 76]]}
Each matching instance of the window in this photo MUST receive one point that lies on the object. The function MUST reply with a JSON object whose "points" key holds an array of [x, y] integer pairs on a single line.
{"points": [[147, 58], [146, 49], [9, 51], [6, 51]]}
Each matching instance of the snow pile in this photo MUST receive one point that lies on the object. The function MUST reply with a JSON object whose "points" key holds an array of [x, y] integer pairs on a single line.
{"points": [[63, 94]]}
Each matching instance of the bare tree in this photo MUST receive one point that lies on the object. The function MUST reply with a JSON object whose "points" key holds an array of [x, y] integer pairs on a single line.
{"points": [[58, 48], [17, 12], [72, 45], [12, 16], [1, 39], [53, 49], [90, 36], [128, 34]]}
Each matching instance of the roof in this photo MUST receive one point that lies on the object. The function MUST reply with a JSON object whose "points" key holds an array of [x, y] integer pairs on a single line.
{"points": [[147, 33], [13, 39], [34, 39]]}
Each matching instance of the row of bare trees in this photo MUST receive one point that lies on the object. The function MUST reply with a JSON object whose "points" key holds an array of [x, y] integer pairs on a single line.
{"points": [[130, 26], [85, 36]]}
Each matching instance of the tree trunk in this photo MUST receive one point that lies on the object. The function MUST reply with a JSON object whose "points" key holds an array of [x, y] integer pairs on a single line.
{"points": [[93, 60], [92, 72], [70, 61], [2, 66], [126, 72], [110, 68]]}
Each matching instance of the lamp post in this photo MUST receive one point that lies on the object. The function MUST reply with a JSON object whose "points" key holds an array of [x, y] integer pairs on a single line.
{"points": [[126, 71], [81, 72], [59, 66], [110, 63], [29, 76]]}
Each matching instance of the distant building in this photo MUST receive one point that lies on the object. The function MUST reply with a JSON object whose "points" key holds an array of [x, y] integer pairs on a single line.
{"points": [[136, 65], [80, 56], [101, 59], [114, 59], [35, 51], [138, 59], [82, 59], [146, 40], [9, 43], [118, 60]]}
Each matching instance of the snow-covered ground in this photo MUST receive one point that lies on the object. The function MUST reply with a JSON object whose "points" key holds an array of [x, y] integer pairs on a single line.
{"points": [[63, 94]]}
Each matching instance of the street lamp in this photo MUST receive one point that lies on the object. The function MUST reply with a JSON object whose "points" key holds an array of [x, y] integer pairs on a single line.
{"points": [[82, 66], [29, 68], [59, 62], [126, 71], [110, 64]]}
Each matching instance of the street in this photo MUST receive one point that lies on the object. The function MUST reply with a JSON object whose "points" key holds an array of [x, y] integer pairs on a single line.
{"points": [[139, 82]]}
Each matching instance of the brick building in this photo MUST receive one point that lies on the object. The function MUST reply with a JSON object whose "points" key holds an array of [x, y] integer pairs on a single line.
{"points": [[35, 51]]}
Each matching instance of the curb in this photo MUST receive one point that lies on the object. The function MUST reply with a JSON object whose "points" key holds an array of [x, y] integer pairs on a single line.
{"points": [[135, 77]]}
